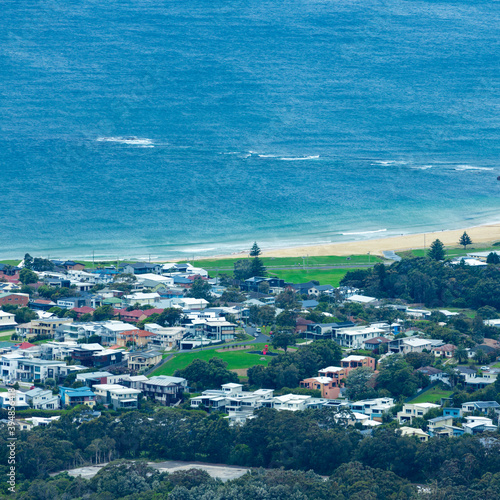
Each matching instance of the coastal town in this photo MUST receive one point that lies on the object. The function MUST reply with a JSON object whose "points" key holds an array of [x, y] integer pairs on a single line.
{"points": [[87, 340]]}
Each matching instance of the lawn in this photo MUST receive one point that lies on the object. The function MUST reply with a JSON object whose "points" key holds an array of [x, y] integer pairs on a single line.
{"points": [[5, 336], [236, 360], [325, 277], [451, 252], [11, 262], [276, 262], [433, 395]]}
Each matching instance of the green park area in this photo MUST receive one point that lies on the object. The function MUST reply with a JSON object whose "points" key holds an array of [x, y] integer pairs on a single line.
{"points": [[240, 359], [451, 252], [433, 395], [325, 277], [299, 262]]}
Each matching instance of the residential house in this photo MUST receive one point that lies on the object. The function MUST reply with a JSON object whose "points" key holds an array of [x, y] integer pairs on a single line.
{"points": [[17, 367], [323, 331], [41, 304], [165, 338], [376, 343], [362, 299], [138, 337], [78, 396], [445, 351], [93, 378], [71, 302], [13, 398], [373, 408], [7, 320], [142, 299], [411, 431], [46, 327], [42, 399], [137, 361], [480, 406], [15, 299], [355, 337], [318, 290], [117, 396], [291, 402], [142, 268], [452, 412], [256, 284], [351, 362], [108, 331], [163, 389], [80, 311], [330, 388], [435, 374], [478, 425], [107, 357], [410, 411], [440, 426]]}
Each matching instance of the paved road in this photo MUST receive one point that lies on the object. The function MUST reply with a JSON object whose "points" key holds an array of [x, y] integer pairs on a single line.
{"points": [[391, 255]]}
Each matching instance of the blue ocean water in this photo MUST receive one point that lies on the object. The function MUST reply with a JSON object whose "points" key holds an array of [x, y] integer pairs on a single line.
{"points": [[170, 129]]}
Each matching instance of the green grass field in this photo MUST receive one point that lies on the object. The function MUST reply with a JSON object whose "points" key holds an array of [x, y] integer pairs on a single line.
{"points": [[433, 395], [11, 262], [451, 252], [270, 262], [325, 277], [234, 359], [6, 335]]}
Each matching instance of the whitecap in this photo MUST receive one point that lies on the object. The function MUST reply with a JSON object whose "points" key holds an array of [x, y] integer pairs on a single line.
{"points": [[423, 167], [461, 168], [365, 232], [301, 158], [131, 140]]}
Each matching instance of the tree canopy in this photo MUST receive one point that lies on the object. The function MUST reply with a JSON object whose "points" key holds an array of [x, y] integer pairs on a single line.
{"points": [[465, 240], [436, 250]]}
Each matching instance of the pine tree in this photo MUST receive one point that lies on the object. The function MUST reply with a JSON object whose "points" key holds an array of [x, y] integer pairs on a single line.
{"points": [[255, 251], [465, 240], [257, 268], [436, 250]]}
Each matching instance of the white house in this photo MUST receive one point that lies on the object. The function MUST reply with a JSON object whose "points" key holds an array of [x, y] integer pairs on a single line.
{"points": [[355, 337], [7, 320], [117, 396], [13, 398], [42, 399]]}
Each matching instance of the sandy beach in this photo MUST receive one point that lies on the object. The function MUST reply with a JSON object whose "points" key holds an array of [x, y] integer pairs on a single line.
{"points": [[480, 235]]}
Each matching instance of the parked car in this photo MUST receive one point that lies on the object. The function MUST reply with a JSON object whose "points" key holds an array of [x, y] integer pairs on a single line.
{"points": [[485, 367], [258, 330]]}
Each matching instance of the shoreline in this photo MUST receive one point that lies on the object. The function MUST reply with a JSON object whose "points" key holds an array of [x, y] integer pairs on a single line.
{"points": [[480, 235]]}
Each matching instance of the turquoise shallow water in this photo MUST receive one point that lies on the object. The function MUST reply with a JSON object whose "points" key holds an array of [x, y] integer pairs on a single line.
{"points": [[165, 129]]}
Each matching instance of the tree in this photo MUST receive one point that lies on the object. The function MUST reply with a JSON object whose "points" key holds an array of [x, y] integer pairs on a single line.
{"points": [[28, 261], [202, 375], [257, 267], [283, 340], [461, 354], [26, 276], [464, 240], [201, 289], [242, 269], [255, 250], [40, 264], [357, 384], [436, 250], [493, 258], [103, 313]]}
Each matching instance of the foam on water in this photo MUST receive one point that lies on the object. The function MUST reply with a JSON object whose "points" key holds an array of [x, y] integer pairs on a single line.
{"points": [[133, 141], [299, 158], [460, 168], [364, 232]]}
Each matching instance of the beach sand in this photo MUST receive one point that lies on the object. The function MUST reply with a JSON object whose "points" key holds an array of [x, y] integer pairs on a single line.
{"points": [[479, 235]]}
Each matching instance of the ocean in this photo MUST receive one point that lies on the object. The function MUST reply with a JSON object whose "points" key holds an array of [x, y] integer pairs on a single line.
{"points": [[169, 129]]}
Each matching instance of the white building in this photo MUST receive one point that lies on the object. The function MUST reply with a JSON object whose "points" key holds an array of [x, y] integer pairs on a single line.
{"points": [[165, 338], [355, 337], [13, 398], [42, 399], [410, 411], [117, 396], [143, 299], [7, 320]]}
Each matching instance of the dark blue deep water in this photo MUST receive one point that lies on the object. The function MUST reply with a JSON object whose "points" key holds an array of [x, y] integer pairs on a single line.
{"points": [[177, 128]]}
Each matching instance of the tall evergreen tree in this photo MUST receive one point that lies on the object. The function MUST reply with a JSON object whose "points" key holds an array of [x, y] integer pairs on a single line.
{"points": [[465, 240], [436, 250], [255, 250], [28, 261], [257, 268]]}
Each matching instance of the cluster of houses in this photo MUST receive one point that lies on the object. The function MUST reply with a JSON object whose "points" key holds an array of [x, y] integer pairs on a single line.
{"points": [[240, 406], [117, 392]]}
